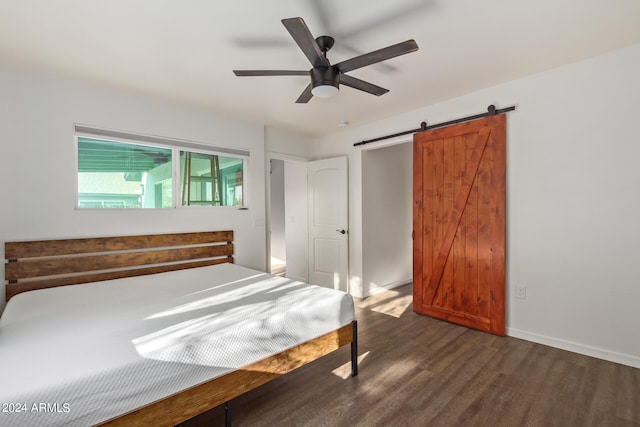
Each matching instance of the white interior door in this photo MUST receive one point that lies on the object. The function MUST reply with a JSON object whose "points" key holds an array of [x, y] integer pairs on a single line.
{"points": [[328, 223]]}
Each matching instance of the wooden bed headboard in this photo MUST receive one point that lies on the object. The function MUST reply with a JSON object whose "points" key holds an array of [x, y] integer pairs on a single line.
{"points": [[43, 264]]}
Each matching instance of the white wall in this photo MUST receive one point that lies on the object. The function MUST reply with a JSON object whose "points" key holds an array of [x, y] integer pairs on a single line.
{"points": [[289, 145], [572, 200], [387, 202], [37, 164]]}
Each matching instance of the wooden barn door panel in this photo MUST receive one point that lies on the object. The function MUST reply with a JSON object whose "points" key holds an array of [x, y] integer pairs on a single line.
{"points": [[459, 223]]}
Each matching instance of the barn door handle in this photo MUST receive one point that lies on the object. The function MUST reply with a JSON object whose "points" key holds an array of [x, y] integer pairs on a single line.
{"points": [[342, 231]]}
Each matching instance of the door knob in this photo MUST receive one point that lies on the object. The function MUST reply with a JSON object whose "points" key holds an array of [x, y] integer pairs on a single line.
{"points": [[342, 231]]}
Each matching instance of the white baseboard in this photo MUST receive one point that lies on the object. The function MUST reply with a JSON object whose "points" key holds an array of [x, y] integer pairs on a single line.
{"points": [[611, 356]]}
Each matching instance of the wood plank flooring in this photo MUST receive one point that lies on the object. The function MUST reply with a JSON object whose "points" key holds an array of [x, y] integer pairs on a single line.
{"points": [[418, 371]]}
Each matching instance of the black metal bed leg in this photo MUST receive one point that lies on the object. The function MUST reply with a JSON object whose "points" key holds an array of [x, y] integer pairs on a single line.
{"points": [[227, 414], [354, 349]]}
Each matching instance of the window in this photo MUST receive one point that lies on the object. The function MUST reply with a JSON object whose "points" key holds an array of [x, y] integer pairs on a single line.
{"points": [[121, 175], [210, 180], [117, 170]]}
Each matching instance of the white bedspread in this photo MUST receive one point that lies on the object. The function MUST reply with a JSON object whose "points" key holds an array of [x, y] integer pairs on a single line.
{"points": [[79, 355]]}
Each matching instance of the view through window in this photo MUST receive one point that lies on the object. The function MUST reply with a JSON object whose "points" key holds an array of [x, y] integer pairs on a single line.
{"points": [[118, 174]]}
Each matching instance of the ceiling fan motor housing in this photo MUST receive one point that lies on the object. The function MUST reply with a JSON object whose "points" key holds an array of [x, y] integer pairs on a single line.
{"points": [[325, 76]]}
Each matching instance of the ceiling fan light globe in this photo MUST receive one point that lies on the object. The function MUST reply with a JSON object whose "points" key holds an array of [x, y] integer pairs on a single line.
{"points": [[324, 91]]}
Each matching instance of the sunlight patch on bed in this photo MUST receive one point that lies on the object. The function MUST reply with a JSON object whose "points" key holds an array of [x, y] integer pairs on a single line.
{"points": [[218, 299], [344, 371], [209, 339], [166, 344], [231, 283]]}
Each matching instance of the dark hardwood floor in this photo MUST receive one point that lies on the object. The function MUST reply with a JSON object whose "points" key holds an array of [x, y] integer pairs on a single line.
{"points": [[418, 371]]}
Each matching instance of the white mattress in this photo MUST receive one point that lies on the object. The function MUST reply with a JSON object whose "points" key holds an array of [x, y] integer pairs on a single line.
{"points": [[79, 355]]}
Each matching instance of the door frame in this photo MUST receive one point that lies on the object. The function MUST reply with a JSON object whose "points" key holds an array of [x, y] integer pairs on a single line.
{"points": [[269, 155], [366, 290]]}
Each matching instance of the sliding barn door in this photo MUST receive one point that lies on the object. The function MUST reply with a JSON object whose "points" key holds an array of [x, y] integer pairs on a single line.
{"points": [[459, 223]]}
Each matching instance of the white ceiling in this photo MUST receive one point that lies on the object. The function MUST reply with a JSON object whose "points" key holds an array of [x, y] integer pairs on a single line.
{"points": [[185, 51]]}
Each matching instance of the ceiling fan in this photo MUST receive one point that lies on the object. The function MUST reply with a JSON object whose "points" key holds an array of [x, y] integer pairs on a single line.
{"points": [[325, 77]]}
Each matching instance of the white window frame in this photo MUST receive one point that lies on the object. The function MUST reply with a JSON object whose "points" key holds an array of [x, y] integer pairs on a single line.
{"points": [[176, 146]]}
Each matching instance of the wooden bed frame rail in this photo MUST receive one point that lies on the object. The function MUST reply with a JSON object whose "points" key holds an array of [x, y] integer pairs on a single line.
{"points": [[43, 264], [175, 409]]}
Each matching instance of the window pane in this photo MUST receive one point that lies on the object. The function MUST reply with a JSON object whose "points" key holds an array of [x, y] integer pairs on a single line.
{"points": [[120, 175], [210, 180]]}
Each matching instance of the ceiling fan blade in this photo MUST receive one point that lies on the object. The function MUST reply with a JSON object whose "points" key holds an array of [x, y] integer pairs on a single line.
{"points": [[348, 50], [362, 85], [378, 56], [305, 96], [242, 73], [301, 34]]}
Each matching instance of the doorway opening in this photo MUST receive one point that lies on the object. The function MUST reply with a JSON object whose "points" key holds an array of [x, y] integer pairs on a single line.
{"points": [[287, 196], [278, 258], [387, 203]]}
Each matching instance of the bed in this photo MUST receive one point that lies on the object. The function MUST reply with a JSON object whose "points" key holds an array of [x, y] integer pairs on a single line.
{"points": [[151, 330]]}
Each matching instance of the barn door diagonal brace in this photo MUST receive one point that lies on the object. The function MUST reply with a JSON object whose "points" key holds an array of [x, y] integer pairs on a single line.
{"points": [[491, 111], [456, 214]]}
